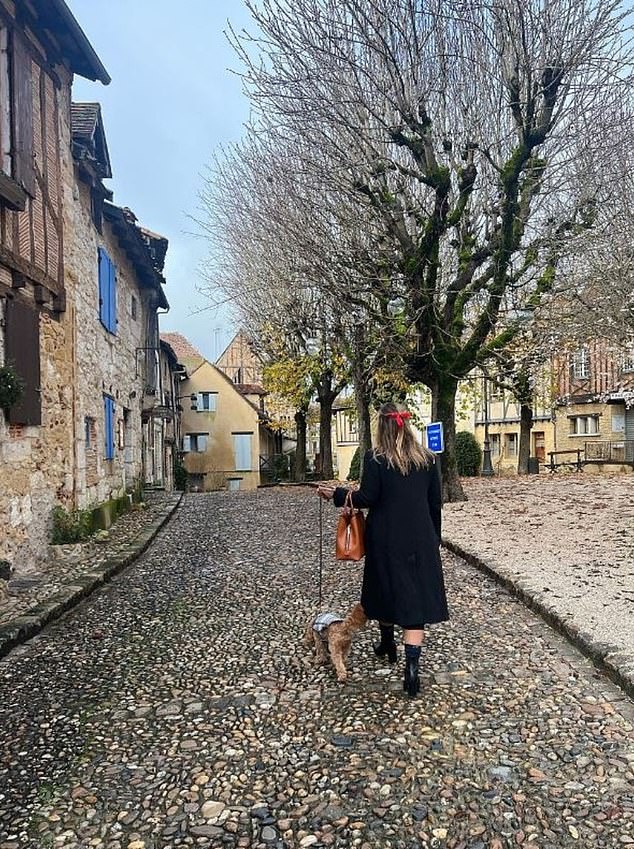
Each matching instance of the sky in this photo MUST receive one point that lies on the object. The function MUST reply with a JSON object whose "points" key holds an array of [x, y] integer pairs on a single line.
{"points": [[171, 103]]}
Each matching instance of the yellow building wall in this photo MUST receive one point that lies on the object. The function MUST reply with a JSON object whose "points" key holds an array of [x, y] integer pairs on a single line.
{"points": [[611, 421], [233, 415]]}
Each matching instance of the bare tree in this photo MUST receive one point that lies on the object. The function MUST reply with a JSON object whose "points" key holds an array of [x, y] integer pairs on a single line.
{"points": [[457, 128]]}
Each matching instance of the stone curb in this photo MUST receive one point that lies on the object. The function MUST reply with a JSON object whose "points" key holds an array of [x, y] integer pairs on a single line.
{"points": [[618, 665], [22, 628]]}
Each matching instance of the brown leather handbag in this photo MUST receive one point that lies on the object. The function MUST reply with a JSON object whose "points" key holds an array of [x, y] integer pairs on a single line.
{"points": [[350, 532]]}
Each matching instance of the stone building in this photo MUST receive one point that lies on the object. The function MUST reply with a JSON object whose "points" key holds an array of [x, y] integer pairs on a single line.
{"points": [[41, 47], [594, 405], [226, 437]]}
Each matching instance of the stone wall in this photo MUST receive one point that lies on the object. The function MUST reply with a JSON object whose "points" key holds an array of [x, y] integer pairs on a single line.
{"points": [[36, 463], [106, 363]]}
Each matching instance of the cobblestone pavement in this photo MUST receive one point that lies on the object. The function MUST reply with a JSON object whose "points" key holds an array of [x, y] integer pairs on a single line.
{"points": [[68, 562], [568, 540], [177, 707]]}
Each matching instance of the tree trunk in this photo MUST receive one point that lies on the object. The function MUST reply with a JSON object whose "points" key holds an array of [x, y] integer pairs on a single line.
{"points": [[363, 424], [444, 410], [526, 424], [326, 400], [300, 450]]}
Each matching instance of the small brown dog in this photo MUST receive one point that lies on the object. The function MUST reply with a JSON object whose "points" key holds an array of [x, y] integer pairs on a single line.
{"points": [[328, 631]]}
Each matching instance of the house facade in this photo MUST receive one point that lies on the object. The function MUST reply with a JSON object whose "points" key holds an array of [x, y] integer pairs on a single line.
{"points": [[41, 48], [226, 439], [594, 406]]}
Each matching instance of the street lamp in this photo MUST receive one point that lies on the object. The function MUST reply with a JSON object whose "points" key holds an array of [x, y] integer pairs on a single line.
{"points": [[487, 467]]}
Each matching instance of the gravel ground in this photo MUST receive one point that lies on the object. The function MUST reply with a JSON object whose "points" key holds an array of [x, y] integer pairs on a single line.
{"points": [[66, 563], [568, 540], [177, 707]]}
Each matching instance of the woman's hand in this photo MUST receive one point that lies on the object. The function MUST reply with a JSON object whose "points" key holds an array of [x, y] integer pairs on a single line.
{"points": [[326, 492]]}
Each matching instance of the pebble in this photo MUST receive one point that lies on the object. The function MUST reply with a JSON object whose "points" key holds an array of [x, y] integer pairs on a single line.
{"points": [[201, 645]]}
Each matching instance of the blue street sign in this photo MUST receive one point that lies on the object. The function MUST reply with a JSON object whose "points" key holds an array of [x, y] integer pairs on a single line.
{"points": [[435, 437]]}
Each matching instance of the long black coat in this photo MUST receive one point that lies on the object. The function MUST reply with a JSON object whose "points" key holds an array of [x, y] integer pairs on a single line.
{"points": [[402, 579]]}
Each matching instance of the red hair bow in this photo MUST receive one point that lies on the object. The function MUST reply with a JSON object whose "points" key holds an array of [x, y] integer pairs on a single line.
{"points": [[400, 417]]}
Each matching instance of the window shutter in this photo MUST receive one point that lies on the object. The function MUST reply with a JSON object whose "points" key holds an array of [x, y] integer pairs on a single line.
{"points": [[108, 404], [187, 444], [112, 288], [213, 398], [104, 286], [202, 442], [107, 292], [23, 161], [22, 339], [242, 450], [199, 403]]}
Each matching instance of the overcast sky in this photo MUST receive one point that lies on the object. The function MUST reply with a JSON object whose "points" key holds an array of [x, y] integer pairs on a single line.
{"points": [[170, 104]]}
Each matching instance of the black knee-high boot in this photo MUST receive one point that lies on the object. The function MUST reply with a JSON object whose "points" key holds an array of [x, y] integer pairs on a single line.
{"points": [[411, 681], [387, 646]]}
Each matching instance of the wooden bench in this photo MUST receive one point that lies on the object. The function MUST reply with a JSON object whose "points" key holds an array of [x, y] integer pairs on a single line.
{"points": [[554, 465]]}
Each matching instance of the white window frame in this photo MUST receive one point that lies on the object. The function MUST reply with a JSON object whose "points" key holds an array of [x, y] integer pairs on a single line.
{"points": [[511, 442], [494, 444], [212, 399], [195, 443], [627, 363], [581, 364], [241, 462], [579, 425]]}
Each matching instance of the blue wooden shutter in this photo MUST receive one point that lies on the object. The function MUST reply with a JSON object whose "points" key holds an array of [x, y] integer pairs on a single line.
{"points": [[107, 292], [113, 296], [108, 404], [242, 450], [104, 288]]}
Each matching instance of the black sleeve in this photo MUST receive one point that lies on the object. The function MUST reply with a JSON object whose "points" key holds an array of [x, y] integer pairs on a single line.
{"points": [[435, 498], [370, 489]]}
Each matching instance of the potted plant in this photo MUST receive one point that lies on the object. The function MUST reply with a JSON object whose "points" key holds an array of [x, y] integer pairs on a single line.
{"points": [[11, 387]]}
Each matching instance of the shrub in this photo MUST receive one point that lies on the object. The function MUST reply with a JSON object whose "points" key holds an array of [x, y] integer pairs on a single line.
{"points": [[11, 387], [180, 476], [468, 454], [355, 466], [71, 526]]}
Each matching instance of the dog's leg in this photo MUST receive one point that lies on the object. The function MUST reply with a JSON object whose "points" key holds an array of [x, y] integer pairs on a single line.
{"points": [[337, 658], [320, 651]]}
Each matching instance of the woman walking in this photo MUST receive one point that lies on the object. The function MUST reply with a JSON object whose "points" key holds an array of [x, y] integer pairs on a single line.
{"points": [[402, 579]]}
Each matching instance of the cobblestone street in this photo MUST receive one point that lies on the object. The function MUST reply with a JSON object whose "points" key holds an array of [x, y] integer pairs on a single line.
{"points": [[178, 707]]}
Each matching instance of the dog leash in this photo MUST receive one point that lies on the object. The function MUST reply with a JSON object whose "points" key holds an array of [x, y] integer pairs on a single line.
{"points": [[321, 543]]}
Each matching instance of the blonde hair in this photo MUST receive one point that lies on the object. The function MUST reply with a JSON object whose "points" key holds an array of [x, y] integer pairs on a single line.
{"points": [[398, 444]]}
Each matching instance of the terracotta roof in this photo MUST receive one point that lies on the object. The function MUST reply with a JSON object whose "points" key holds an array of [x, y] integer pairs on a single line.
{"points": [[251, 389], [181, 346]]}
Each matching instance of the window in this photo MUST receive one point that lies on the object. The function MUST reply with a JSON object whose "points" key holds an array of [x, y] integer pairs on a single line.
{"points": [[108, 407], [511, 442], [242, 451], [90, 432], [22, 352], [206, 402], [581, 364], [133, 308], [618, 421], [196, 443], [627, 364], [494, 444], [584, 425], [233, 484], [107, 292], [16, 119]]}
